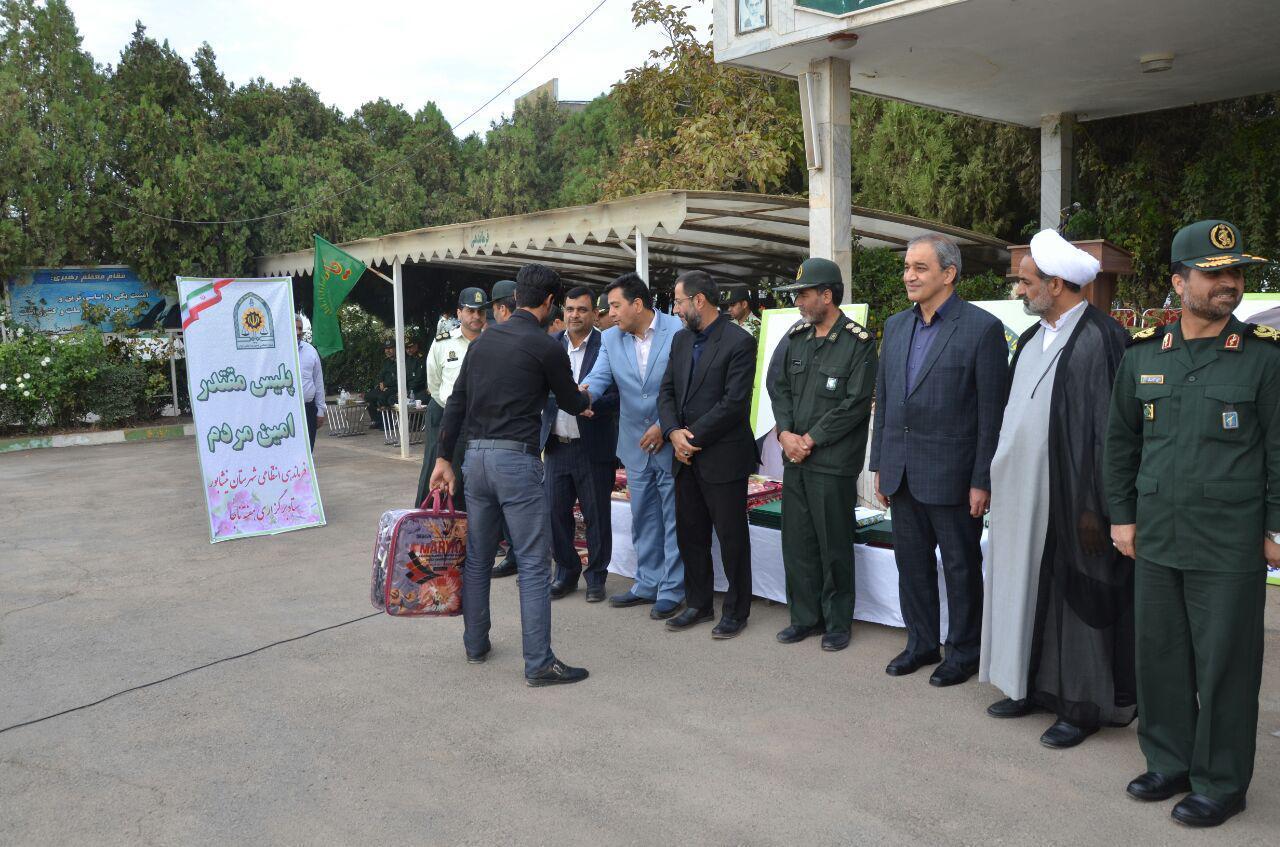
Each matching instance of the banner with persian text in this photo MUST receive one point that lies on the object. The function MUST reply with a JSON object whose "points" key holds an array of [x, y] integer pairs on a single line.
{"points": [[246, 398]]}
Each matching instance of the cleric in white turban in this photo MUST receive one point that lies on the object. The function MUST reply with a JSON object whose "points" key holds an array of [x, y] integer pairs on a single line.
{"points": [[1054, 256], [1057, 627]]}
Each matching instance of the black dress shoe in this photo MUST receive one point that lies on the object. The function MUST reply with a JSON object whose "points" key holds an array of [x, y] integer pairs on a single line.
{"points": [[479, 658], [1009, 708], [834, 641], [1062, 735], [907, 662], [1199, 810], [795, 634], [507, 567], [556, 673], [690, 617], [1156, 786], [595, 593], [951, 673], [626, 598], [729, 628], [561, 589]]}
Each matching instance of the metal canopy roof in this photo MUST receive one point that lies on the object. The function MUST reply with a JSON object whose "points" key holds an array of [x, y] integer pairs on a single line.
{"points": [[1016, 60], [744, 236]]}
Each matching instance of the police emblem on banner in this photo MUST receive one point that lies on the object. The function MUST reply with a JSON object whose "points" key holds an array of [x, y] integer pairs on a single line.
{"points": [[254, 327]]}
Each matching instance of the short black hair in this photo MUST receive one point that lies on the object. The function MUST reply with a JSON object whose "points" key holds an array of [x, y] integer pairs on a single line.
{"points": [[837, 292], [1182, 270], [534, 284], [633, 288], [700, 282], [509, 302], [580, 291]]}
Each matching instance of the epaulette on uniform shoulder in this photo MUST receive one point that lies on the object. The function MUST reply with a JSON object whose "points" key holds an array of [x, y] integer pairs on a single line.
{"points": [[1269, 333], [444, 336], [858, 329], [799, 327], [1146, 334]]}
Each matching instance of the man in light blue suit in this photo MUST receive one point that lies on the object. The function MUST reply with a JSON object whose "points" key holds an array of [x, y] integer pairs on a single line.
{"points": [[633, 357]]}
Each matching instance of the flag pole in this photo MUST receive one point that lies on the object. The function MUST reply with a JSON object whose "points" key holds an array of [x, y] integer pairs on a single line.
{"points": [[402, 388]]}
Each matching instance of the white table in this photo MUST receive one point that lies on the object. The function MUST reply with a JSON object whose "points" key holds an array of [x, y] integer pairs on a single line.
{"points": [[876, 572]]}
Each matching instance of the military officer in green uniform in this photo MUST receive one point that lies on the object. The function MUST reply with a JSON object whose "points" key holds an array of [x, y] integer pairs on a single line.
{"points": [[444, 363], [735, 301], [820, 382], [415, 366], [383, 397], [1193, 478]]}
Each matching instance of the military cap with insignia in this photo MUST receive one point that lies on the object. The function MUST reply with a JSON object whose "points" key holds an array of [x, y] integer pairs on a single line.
{"points": [[473, 298], [389, 344], [731, 293], [502, 289], [815, 273], [1211, 246]]}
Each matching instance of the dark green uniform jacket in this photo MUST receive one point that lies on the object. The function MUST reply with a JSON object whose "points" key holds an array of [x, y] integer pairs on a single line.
{"points": [[1193, 446], [822, 387]]}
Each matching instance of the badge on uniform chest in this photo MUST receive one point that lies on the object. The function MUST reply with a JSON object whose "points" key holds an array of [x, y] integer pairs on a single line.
{"points": [[1152, 379], [1148, 411], [453, 357], [831, 383], [1230, 420]]}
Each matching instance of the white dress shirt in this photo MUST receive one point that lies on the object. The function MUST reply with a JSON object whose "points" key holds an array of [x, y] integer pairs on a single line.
{"points": [[644, 342], [567, 424], [312, 376], [1065, 320]]}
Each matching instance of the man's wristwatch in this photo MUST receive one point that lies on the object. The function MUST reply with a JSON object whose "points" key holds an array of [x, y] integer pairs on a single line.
{"points": [[1274, 536]]}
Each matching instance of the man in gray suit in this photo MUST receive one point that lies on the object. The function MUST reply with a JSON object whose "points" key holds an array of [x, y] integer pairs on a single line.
{"points": [[939, 400]]}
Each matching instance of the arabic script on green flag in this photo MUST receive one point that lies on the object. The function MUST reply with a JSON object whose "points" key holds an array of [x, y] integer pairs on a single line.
{"points": [[336, 273]]}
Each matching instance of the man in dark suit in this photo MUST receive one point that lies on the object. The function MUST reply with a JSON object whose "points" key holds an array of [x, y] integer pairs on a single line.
{"points": [[704, 407], [580, 461], [939, 400]]}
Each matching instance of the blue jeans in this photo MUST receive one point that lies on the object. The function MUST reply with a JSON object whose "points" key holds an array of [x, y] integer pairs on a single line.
{"points": [[506, 484]]}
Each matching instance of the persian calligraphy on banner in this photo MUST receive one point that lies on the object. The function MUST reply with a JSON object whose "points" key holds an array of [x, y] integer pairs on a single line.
{"points": [[246, 398]]}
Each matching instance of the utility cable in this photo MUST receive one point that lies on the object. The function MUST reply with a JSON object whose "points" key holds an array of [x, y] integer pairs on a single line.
{"points": [[339, 193], [187, 671]]}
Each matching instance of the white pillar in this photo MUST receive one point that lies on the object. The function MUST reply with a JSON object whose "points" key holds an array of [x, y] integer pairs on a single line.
{"points": [[402, 388], [642, 255], [1057, 143], [830, 192]]}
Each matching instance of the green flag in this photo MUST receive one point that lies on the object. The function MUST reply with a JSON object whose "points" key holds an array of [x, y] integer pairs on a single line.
{"points": [[336, 273]]}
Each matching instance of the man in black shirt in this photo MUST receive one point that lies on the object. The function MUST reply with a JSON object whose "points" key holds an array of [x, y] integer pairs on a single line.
{"points": [[499, 396]]}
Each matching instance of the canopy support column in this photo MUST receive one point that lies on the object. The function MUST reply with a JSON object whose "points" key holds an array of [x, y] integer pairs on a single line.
{"points": [[402, 388], [1057, 146], [642, 255], [824, 99]]}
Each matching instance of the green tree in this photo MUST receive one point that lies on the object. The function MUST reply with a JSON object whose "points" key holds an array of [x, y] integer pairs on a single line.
{"points": [[704, 126], [51, 165]]}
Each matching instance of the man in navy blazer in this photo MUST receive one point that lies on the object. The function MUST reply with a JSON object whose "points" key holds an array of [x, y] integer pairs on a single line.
{"points": [[632, 360], [940, 393], [580, 461]]}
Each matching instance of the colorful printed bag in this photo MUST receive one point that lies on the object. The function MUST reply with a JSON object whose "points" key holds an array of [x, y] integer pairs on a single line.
{"points": [[417, 560]]}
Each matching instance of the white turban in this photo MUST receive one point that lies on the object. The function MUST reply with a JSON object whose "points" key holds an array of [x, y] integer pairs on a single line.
{"points": [[1055, 256]]}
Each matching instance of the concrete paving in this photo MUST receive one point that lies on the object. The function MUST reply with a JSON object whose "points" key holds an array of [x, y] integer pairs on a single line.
{"points": [[379, 732]]}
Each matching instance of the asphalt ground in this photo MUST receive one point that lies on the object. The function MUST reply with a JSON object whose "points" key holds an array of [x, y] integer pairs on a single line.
{"points": [[378, 731]]}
